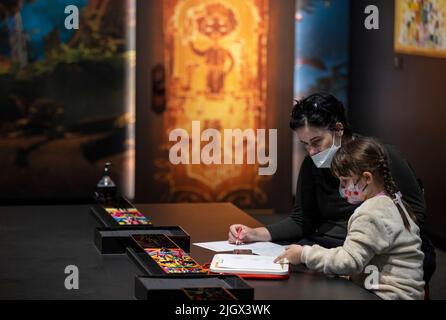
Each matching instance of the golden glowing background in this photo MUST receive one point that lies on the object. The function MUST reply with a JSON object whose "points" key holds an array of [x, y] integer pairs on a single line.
{"points": [[215, 53]]}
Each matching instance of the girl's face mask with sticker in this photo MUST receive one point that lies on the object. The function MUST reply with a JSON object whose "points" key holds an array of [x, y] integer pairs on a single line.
{"points": [[353, 192]]}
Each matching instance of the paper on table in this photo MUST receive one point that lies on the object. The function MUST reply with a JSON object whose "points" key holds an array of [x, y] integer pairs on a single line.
{"points": [[261, 248]]}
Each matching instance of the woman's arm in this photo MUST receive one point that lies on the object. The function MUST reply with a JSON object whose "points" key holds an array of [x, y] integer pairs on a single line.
{"points": [[304, 216], [367, 236]]}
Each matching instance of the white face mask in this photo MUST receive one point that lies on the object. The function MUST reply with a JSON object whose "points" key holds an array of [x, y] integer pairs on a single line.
{"points": [[323, 159], [353, 193]]}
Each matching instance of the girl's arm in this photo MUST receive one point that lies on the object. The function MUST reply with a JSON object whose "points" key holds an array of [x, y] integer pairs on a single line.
{"points": [[367, 236]]}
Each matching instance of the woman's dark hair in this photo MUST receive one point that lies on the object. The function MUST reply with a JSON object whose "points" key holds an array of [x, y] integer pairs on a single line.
{"points": [[320, 110], [367, 154]]}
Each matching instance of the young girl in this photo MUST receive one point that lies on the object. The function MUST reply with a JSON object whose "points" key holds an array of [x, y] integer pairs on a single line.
{"points": [[383, 240]]}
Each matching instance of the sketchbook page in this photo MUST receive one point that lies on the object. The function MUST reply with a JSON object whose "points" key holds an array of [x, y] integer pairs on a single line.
{"points": [[247, 262], [259, 248]]}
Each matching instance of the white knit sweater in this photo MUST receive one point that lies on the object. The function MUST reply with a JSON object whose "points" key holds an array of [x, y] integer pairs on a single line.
{"points": [[376, 237]]}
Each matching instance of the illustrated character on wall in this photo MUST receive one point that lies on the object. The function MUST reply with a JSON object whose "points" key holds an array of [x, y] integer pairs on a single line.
{"points": [[217, 22]]}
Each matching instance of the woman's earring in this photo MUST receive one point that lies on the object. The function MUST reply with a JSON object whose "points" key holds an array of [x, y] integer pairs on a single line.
{"points": [[340, 134]]}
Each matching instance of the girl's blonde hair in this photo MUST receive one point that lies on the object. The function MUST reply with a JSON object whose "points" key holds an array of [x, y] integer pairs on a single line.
{"points": [[367, 154]]}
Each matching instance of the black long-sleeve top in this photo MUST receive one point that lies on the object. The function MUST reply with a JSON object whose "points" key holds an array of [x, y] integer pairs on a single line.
{"points": [[319, 208]]}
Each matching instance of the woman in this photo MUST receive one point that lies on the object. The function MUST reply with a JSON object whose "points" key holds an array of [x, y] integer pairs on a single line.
{"points": [[320, 214]]}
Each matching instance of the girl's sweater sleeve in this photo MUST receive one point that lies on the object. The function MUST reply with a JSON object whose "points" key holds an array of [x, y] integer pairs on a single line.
{"points": [[368, 235]]}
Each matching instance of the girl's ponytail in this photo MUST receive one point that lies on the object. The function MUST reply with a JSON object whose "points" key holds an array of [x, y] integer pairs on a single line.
{"points": [[393, 191]]}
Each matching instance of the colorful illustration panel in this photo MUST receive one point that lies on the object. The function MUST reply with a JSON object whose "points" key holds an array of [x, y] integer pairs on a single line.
{"points": [[129, 216], [175, 261], [420, 27]]}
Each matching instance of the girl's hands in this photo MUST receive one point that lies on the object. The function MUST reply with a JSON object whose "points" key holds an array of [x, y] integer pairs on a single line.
{"points": [[292, 254]]}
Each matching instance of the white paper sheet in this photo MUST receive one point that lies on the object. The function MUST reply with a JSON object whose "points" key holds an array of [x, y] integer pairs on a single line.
{"points": [[261, 248]]}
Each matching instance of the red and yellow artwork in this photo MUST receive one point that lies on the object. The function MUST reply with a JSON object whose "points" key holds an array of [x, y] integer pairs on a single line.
{"points": [[216, 58]]}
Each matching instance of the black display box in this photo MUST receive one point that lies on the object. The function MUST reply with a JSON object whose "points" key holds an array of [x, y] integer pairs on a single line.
{"points": [[115, 240], [105, 219], [170, 288], [212, 293], [146, 264]]}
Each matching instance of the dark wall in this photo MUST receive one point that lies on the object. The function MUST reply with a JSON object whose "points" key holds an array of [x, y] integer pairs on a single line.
{"points": [[150, 50], [402, 106]]}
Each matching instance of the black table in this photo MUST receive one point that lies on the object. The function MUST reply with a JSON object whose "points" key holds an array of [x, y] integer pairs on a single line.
{"points": [[38, 242]]}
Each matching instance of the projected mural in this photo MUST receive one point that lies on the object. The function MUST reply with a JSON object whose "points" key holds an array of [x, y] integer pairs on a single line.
{"points": [[65, 100], [216, 74], [322, 46]]}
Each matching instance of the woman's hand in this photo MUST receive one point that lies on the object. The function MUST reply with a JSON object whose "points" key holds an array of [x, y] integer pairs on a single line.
{"points": [[292, 254], [246, 234]]}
